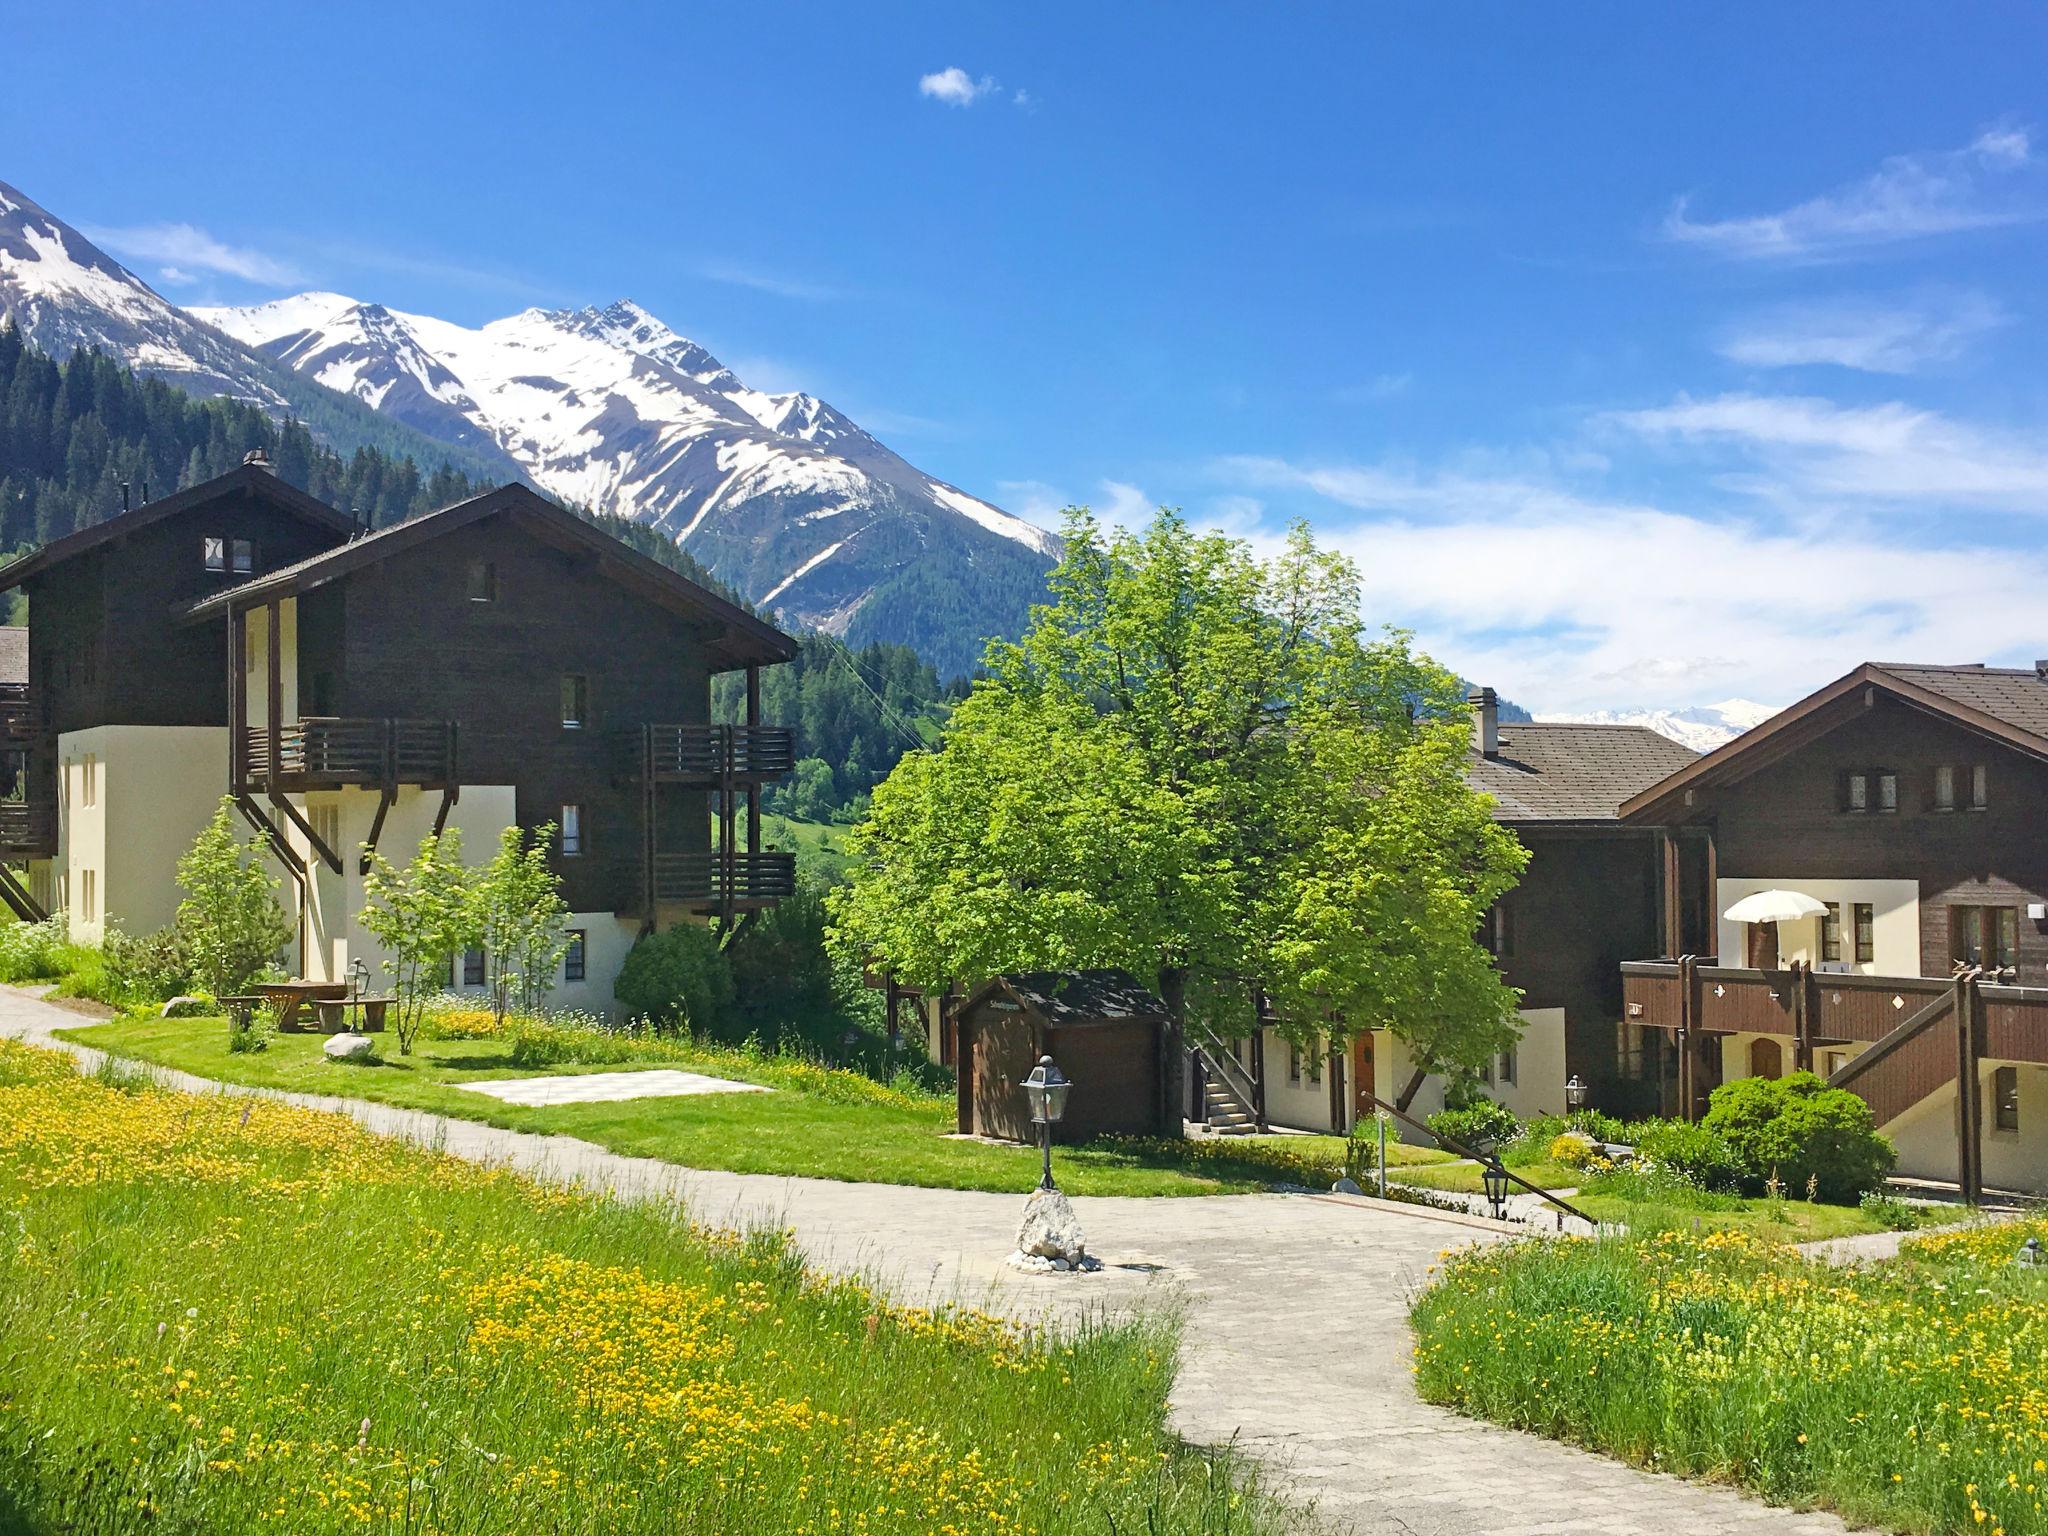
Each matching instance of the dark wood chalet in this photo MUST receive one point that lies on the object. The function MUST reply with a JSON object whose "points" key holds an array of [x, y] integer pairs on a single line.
{"points": [[1906, 800]]}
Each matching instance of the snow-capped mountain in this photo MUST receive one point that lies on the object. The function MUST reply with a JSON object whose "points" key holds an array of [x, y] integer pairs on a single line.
{"points": [[780, 494], [784, 497], [1703, 727]]}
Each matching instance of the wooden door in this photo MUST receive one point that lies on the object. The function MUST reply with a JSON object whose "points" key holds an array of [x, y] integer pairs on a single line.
{"points": [[1763, 946], [1766, 1059], [1363, 1085]]}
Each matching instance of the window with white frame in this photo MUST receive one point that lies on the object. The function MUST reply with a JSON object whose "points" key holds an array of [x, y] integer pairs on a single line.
{"points": [[571, 830], [575, 957]]}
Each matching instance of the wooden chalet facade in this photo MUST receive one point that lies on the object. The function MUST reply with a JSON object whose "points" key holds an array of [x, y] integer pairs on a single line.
{"points": [[1908, 800], [500, 662]]}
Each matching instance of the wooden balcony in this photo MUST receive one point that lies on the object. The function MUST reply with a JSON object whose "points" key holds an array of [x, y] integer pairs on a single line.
{"points": [[733, 881], [710, 755], [323, 752], [21, 716], [28, 829]]}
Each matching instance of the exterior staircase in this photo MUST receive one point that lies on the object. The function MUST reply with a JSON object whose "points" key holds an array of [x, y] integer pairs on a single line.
{"points": [[1227, 1114]]}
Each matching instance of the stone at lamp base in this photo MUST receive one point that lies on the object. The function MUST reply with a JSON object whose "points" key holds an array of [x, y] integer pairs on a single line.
{"points": [[1034, 1264], [1050, 1239]]}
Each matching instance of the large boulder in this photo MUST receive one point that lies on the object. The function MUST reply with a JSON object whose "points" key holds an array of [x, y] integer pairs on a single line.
{"points": [[1051, 1230], [349, 1047]]}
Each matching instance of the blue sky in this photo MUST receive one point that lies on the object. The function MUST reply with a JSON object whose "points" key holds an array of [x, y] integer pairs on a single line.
{"points": [[1639, 354]]}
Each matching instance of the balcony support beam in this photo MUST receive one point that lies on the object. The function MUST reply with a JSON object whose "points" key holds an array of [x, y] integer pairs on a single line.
{"points": [[385, 797], [313, 839]]}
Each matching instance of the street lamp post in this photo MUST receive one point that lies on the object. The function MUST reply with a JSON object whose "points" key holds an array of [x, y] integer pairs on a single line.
{"points": [[1495, 1177], [1046, 1090], [1575, 1092]]}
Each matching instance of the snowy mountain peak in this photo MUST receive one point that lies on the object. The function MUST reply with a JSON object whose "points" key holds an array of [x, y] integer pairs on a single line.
{"points": [[1702, 727]]}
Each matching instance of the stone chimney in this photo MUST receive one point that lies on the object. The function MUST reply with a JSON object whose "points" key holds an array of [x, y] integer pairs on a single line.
{"points": [[256, 458], [2041, 669], [1485, 721]]}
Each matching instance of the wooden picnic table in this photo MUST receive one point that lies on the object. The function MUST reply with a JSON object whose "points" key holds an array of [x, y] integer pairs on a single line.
{"points": [[291, 997], [334, 1012]]}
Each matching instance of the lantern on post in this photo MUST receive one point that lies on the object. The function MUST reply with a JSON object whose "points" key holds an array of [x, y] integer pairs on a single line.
{"points": [[1575, 1092], [1495, 1177], [1046, 1091], [2032, 1255]]}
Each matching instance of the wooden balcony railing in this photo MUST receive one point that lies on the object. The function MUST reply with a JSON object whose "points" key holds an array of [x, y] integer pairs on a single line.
{"points": [[28, 829], [21, 716], [706, 754], [322, 752], [739, 880]]}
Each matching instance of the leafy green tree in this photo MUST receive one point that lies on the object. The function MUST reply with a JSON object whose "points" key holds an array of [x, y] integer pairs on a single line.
{"points": [[678, 978], [420, 915], [1198, 765], [520, 918], [230, 921]]}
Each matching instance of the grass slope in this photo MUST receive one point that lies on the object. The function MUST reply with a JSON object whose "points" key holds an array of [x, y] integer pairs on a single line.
{"points": [[786, 1132], [234, 1316]]}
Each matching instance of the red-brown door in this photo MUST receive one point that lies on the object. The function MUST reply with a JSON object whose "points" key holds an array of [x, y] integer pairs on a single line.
{"points": [[1363, 1086], [1763, 946]]}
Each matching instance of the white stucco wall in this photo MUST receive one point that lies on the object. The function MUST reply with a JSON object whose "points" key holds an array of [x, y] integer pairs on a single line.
{"points": [[1926, 1134], [1895, 926], [157, 786]]}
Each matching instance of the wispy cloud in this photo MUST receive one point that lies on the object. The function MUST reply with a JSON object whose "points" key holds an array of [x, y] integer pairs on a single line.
{"points": [[1381, 386], [742, 275], [186, 249], [957, 88], [1891, 453], [1987, 183], [1569, 599], [1874, 336]]}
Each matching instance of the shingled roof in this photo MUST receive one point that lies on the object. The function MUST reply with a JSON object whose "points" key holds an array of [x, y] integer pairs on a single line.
{"points": [[2005, 704], [1075, 997], [1558, 773]]}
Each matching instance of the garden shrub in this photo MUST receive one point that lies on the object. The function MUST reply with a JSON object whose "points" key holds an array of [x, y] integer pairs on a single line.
{"points": [[1894, 1213], [1698, 1154], [37, 951], [1481, 1122], [147, 968], [1572, 1149], [680, 979], [1798, 1130]]}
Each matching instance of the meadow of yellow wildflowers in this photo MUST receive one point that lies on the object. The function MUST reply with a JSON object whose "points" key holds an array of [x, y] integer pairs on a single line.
{"points": [[229, 1315], [1910, 1394]]}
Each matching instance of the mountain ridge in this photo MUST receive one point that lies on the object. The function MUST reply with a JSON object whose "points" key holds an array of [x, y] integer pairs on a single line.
{"points": [[1703, 727]]}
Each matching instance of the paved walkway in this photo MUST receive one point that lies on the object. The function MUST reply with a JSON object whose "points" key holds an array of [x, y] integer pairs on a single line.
{"points": [[1296, 1322]]}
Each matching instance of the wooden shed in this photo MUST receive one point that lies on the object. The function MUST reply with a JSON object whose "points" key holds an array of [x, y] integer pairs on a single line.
{"points": [[1104, 1029]]}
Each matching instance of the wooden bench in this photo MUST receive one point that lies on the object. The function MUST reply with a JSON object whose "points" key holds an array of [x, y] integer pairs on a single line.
{"points": [[333, 1013]]}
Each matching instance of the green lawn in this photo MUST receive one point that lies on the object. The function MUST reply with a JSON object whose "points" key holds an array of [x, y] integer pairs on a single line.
{"points": [[782, 1132], [1331, 1149], [1464, 1178], [1791, 1221], [819, 846]]}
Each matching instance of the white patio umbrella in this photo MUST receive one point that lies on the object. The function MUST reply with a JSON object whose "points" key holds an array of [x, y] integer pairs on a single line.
{"points": [[1775, 907]]}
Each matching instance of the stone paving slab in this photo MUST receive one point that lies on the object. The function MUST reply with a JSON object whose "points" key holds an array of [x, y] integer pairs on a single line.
{"points": [[1295, 1338], [606, 1087]]}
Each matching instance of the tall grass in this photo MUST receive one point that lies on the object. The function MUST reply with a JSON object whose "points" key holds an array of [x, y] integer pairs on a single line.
{"points": [[227, 1316], [1911, 1394]]}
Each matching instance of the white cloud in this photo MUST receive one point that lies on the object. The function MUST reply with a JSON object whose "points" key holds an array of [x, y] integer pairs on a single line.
{"points": [[1034, 501], [1908, 197], [1888, 454], [1874, 336], [176, 276], [741, 275], [1120, 504], [1569, 602], [187, 249], [956, 88]]}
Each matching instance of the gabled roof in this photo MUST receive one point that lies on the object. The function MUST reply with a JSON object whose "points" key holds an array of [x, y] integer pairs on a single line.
{"points": [[254, 480], [745, 638], [2008, 705], [1559, 774], [1074, 997]]}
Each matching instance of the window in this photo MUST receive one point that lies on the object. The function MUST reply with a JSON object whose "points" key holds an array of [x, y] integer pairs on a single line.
{"points": [[1831, 932], [1856, 792], [483, 581], [243, 553], [1866, 932], [1945, 788], [575, 701], [1980, 788], [89, 780], [571, 832], [1836, 1060], [1509, 1066], [213, 554], [88, 895], [1986, 936], [472, 967], [1499, 937], [1293, 1062], [2005, 1098], [1887, 791], [573, 956]]}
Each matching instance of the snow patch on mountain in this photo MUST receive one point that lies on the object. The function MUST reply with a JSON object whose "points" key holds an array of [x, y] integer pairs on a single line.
{"points": [[1702, 727]]}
